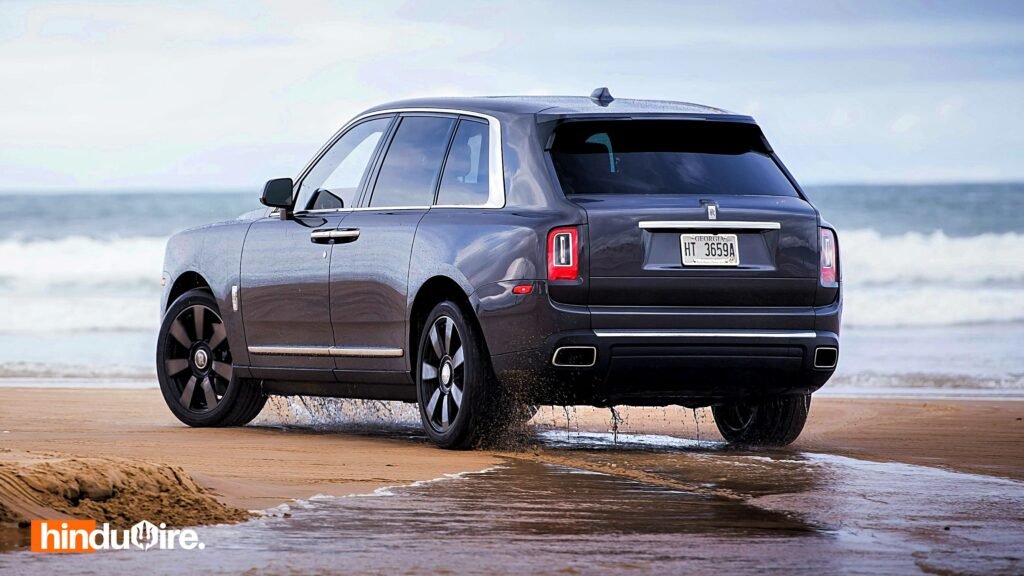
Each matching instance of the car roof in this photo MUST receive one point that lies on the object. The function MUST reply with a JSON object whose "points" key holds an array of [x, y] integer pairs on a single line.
{"points": [[551, 107]]}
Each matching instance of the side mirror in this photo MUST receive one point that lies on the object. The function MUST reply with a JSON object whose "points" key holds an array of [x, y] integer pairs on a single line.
{"points": [[277, 193]]}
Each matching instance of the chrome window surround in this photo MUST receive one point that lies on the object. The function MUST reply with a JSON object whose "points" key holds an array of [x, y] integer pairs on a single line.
{"points": [[495, 164], [708, 225]]}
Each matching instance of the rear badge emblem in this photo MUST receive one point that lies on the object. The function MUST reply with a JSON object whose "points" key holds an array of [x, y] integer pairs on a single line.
{"points": [[712, 211]]}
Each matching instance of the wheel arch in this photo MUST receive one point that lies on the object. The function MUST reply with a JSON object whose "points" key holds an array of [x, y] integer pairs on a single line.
{"points": [[186, 281], [430, 293]]}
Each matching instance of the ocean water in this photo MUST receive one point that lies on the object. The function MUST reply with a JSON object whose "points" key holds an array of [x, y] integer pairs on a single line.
{"points": [[933, 277]]}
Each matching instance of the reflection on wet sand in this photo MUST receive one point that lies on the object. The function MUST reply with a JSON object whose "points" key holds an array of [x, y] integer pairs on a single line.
{"points": [[581, 502]]}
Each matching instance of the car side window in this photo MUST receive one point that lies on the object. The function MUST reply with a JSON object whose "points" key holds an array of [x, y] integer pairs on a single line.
{"points": [[413, 162], [465, 178], [336, 179]]}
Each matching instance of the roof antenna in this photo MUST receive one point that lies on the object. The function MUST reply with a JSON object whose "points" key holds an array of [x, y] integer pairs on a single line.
{"points": [[601, 96]]}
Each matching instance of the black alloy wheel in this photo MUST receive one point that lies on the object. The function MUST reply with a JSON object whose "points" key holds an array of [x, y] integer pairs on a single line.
{"points": [[443, 374], [771, 422], [197, 358], [193, 364]]}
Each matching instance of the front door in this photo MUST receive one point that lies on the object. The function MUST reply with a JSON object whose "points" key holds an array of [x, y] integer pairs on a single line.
{"points": [[286, 264], [285, 293]]}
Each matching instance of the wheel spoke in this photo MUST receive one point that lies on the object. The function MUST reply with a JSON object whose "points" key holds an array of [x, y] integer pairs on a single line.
{"points": [[211, 396], [444, 412], [448, 324], [220, 334], [435, 340], [457, 395], [432, 405], [178, 332], [429, 372], [199, 314], [175, 366], [457, 358], [186, 395], [224, 369]]}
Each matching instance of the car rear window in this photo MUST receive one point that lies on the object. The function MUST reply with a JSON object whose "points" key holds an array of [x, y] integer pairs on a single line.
{"points": [[666, 157], [413, 162]]}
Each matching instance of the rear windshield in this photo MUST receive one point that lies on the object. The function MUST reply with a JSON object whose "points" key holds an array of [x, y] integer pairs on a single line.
{"points": [[665, 157]]}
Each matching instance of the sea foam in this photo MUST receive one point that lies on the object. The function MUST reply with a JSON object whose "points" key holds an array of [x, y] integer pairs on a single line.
{"points": [[82, 284]]}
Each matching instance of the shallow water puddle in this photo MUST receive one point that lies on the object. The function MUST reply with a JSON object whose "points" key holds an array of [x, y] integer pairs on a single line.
{"points": [[644, 503]]}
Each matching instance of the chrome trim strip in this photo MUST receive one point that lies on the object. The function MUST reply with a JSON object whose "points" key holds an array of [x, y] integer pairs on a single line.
{"points": [[369, 209], [708, 225], [495, 161], [554, 357], [333, 234], [704, 334], [290, 350], [368, 352], [348, 352]]}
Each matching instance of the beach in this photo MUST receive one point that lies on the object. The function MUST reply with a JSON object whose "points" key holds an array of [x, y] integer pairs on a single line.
{"points": [[262, 465], [910, 460]]}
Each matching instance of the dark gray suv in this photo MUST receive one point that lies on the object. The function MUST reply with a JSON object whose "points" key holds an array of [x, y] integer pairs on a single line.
{"points": [[482, 255]]}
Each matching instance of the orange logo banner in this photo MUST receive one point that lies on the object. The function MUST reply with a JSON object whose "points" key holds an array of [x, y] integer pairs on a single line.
{"points": [[63, 536]]}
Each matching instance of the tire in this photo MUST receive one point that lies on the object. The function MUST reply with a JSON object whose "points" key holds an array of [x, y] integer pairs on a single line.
{"points": [[193, 365], [774, 422], [458, 394]]}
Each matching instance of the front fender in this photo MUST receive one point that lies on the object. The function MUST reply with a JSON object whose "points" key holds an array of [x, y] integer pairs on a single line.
{"points": [[214, 253]]}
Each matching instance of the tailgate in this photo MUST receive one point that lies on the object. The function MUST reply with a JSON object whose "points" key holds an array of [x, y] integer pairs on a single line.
{"points": [[687, 213]]}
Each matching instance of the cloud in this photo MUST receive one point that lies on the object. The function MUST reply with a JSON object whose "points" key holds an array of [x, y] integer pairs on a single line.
{"points": [[905, 123], [139, 94]]}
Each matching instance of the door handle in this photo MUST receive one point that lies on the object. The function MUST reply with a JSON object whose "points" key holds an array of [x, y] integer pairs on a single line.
{"points": [[334, 236]]}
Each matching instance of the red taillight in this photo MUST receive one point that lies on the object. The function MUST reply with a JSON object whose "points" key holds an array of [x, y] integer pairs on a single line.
{"points": [[563, 263], [829, 259], [522, 289]]}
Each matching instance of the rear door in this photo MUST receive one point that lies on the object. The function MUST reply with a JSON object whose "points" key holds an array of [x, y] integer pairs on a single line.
{"points": [[687, 213], [370, 275]]}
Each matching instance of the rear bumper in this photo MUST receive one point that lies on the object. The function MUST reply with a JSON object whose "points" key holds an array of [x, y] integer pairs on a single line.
{"points": [[656, 357]]}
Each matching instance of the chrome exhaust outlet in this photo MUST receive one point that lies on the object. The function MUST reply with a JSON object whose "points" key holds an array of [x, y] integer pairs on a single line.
{"points": [[574, 357], [826, 357]]}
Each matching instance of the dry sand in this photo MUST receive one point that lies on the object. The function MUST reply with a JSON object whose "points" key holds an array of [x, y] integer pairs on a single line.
{"points": [[116, 490], [119, 454]]}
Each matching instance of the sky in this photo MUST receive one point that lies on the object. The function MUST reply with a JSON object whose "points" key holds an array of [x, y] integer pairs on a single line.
{"points": [[107, 95]]}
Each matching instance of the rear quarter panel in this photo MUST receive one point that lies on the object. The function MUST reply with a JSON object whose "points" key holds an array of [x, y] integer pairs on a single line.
{"points": [[486, 252]]}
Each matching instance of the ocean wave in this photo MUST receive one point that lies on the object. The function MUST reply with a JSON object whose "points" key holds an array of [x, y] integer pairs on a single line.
{"points": [[80, 262], [870, 258], [932, 279], [930, 306], [79, 284], [928, 380], [49, 371], [53, 314]]}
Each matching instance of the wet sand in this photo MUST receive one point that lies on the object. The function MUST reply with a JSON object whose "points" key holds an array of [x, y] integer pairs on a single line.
{"points": [[664, 494], [979, 436], [257, 467]]}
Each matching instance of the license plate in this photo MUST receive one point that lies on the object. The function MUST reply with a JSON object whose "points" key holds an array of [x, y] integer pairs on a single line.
{"points": [[710, 249]]}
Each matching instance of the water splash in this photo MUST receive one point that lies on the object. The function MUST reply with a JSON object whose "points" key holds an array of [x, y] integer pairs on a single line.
{"points": [[335, 413], [617, 419], [697, 417]]}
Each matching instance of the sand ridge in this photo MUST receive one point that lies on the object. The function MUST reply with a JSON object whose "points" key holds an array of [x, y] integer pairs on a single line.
{"points": [[119, 491]]}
